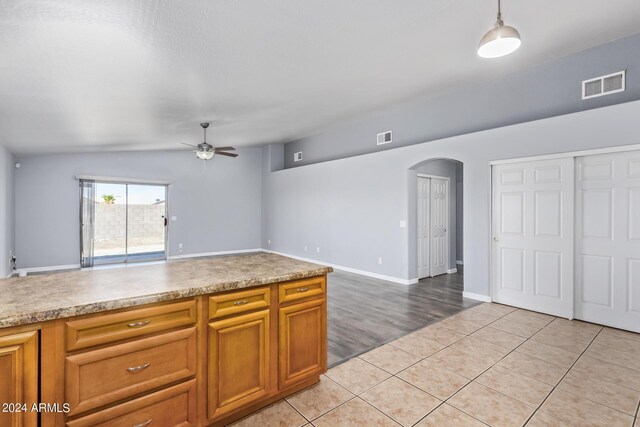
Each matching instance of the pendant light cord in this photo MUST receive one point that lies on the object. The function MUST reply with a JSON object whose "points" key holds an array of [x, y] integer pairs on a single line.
{"points": [[499, 21]]}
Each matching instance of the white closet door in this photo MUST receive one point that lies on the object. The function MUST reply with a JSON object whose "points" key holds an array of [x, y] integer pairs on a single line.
{"points": [[532, 226], [439, 224], [608, 239], [424, 196]]}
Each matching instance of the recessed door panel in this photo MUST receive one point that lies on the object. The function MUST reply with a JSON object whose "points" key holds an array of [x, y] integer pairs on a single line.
{"points": [[548, 274], [512, 213], [597, 213], [548, 213], [512, 274], [596, 282]]}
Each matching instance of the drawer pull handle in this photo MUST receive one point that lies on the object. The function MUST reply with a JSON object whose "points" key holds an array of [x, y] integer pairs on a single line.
{"points": [[138, 368], [243, 302], [302, 289], [144, 423], [139, 324]]}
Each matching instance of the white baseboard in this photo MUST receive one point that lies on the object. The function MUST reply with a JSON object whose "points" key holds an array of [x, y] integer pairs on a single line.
{"points": [[459, 262], [349, 269], [452, 270], [49, 268], [202, 254], [476, 297]]}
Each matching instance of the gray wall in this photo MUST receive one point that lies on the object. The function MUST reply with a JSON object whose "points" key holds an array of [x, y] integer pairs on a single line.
{"points": [[546, 90], [351, 207], [7, 234], [444, 168], [218, 209]]}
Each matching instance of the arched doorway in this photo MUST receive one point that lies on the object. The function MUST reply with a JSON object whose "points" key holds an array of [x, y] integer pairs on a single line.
{"points": [[435, 219]]}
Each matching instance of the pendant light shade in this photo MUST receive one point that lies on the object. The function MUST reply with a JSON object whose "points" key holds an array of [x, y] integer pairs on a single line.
{"points": [[499, 41]]}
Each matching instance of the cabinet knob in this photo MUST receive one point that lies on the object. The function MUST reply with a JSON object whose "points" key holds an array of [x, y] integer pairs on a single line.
{"points": [[243, 302], [138, 368]]}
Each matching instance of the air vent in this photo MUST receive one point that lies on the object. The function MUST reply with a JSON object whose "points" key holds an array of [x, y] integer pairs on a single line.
{"points": [[384, 137], [297, 156], [603, 85]]}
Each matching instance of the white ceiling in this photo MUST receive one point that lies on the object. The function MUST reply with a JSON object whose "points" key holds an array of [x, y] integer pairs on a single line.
{"points": [[93, 75]]}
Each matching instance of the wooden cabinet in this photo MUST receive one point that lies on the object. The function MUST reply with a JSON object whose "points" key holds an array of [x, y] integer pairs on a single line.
{"points": [[302, 345], [207, 360], [238, 365], [18, 378]]}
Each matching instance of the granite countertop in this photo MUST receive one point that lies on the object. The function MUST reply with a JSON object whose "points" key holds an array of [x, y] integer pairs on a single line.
{"points": [[39, 298]]}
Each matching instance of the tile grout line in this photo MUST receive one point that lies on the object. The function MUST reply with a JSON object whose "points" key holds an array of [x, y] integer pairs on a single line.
{"points": [[442, 402], [494, 364], [422, 359], [565, 374]]}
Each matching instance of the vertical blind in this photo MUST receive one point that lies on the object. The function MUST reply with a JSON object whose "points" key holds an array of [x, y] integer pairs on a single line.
{"points": [[87, 221]]}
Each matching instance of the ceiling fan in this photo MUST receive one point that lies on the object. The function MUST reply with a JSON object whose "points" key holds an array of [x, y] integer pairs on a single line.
{"points": [[205, 151]]}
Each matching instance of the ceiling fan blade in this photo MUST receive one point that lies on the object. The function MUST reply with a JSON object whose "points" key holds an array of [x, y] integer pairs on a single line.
{"points": [[222, 153], [184, 143], [225, 149]]}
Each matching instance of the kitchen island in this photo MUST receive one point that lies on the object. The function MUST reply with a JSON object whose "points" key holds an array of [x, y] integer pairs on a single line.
{"points": [[198, 342]]}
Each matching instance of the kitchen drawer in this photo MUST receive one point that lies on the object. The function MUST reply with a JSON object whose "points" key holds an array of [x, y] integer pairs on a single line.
{"points": [[238, 302], [99, 377], [300, 289], [174, 406], [108, 328]]}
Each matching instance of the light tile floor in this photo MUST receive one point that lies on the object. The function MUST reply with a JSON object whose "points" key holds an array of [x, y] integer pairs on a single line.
{"points": [[488, 365]]}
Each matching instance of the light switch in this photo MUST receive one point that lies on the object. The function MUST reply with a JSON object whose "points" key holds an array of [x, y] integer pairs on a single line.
{"points": [[174, 218], [403, 223]]}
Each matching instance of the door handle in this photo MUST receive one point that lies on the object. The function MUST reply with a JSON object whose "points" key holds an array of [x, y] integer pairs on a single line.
{"points": [[496, 238]]}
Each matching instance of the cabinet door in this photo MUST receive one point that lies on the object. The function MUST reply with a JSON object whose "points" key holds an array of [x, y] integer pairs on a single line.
{"points": [[302, 344], [19, 378], [238, 362]]}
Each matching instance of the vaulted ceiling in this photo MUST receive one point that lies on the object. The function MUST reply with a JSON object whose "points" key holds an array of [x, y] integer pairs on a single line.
{"points": [[94, 75]]}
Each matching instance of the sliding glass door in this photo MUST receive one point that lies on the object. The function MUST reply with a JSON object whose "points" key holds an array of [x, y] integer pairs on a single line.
{"points": [[122, 222]]}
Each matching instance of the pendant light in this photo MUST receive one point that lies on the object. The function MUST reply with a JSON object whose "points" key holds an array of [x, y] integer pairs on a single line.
{"points": [[500, 41]]}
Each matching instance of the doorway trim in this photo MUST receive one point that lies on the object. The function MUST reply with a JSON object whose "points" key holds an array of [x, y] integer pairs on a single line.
{"points": [[447, 225]]}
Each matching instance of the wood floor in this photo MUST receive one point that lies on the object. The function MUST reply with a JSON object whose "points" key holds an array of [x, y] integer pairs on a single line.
{"points": [[364, 313]]}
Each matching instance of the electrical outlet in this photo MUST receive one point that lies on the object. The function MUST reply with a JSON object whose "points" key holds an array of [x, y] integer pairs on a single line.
{"points": [[180, 247], [269, 242], [403, 223], [305, 248], [380, 260], [318, 249]]}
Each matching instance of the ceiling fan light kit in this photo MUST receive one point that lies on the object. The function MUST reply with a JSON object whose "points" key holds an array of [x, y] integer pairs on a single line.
{"points": [[206, 151], [500, 40]]}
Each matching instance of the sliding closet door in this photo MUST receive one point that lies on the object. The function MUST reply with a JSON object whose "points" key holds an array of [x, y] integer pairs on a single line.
{"points": [[608, 239], [532, 241]]}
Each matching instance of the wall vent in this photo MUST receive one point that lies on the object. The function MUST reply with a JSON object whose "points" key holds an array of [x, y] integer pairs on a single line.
{"points": [[384, 137], [297, 156], [603, 85]]}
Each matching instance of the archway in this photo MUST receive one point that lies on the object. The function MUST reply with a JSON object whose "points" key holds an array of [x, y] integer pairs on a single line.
{"points": [[435, 246]]}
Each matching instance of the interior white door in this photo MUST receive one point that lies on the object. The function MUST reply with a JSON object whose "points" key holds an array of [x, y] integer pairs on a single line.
{"points": [[532, 226], [608, 239], [439, 225], [424, 197]]}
